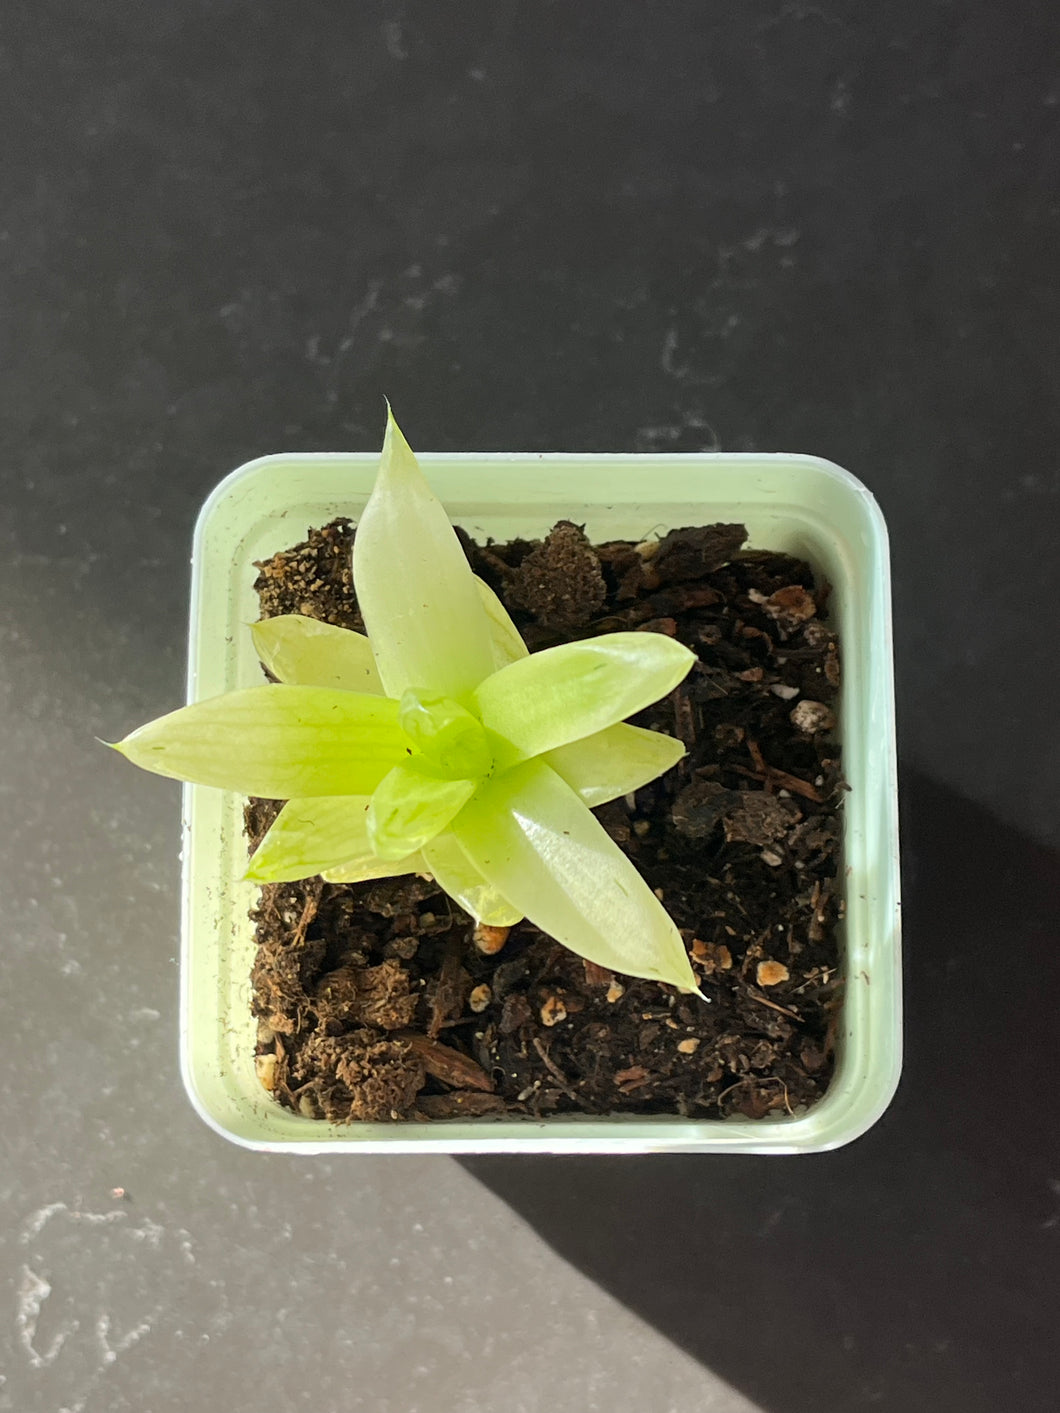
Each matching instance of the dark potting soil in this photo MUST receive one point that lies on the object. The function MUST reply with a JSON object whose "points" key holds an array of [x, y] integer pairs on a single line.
{"points": [[374, 1000]]}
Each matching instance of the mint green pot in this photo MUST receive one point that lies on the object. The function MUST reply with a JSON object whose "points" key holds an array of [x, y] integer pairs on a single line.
{"points": [[799, 504]]}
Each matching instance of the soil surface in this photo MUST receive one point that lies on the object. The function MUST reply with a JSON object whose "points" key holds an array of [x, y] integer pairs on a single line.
{"points": [[374, 1000]]}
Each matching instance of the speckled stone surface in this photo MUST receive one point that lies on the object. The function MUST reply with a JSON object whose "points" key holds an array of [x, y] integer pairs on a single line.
{"points": [[228, 228]]}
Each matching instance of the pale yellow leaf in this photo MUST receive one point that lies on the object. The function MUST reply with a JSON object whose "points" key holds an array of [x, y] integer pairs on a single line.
{"points": [[311, 835], [508, 645], [308, 653], [566, 693], [457, 875], [365, 870], [279, 741], [614, 762], [409, 808], [422, 610], [542, 849]]}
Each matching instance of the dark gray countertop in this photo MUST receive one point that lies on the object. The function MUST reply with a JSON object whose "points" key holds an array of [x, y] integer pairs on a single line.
{"points": [[228, 229]]}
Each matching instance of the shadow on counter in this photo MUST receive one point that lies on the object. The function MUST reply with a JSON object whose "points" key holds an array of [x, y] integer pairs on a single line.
{"points": [[916, 1269]]}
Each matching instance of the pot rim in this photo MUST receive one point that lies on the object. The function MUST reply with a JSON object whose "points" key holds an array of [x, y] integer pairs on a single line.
{"points": [[806, 500]]}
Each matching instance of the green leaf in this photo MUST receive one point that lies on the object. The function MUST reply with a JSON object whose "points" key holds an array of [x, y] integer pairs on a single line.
{"points": [[278, 741], [563, 694], [410, 808], [457, 875], [309, 653], [311, 835], [453, 742], [364, 870], [422, 610], [508, 645], [614, 762], [540, 847]]}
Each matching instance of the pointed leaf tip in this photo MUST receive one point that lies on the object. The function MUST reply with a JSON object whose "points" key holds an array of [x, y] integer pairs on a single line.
{"points": [[422, 609], [533, 839], [614, 762], [457, 875], [397, 455], [281, 742]]}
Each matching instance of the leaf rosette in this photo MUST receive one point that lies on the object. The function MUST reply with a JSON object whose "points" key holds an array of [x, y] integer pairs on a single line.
{"points": [[437, 744]]}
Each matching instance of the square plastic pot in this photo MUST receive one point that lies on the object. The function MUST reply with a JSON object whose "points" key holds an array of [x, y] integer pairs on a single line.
{"points": [[798, 504]]}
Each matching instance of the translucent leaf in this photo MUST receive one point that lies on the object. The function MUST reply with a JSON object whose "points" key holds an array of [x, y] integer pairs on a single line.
{"points": [[578, 689], [311, 835], [309, 653], [614, 762], [508, 645], [422, 610], [452, 741], [454, 871], [364, 870], [410, 808], [278, 741], [540, 847]]}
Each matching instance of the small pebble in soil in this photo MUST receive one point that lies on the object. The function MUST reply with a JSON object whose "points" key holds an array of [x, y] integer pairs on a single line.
{"points": [[480, 998], [553, 1011], [770, 973], [712, 956], [689, 1046], [265, 1065], [490, 940], [810, 717]]}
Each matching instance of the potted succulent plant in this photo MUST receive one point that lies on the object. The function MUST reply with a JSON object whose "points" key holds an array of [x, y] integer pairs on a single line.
{"points": [[437, 746]]}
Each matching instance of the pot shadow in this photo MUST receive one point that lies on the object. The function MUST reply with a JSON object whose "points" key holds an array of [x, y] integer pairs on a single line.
{"points": [[917, 1268]]}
